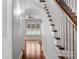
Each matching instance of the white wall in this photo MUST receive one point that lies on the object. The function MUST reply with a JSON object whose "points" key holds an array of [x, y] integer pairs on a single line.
{"points": [[48, 41], [7, 30], [18, 30], [13, 42]]}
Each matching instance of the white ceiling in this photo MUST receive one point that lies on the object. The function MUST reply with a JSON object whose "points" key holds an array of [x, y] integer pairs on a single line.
{"points": [[32, 7]]}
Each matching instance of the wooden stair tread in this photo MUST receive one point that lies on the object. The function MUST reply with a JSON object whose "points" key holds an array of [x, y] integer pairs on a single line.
{"points": [[42, 1], [54, 30], [50, 19], [52, 24], [60, 47], [49, 15], [45, 7], [62, 57], [48, 12], [57, 38]]}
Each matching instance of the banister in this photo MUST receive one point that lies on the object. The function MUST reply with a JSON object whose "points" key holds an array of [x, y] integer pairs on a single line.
{"points": [[68, 13]]}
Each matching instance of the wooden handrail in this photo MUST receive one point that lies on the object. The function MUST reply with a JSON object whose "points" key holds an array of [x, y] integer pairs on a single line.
{"points": [[68, 12]]}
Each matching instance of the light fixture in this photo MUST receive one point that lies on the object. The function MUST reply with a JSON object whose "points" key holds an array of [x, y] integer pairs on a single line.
{"points": [[17, 10]]}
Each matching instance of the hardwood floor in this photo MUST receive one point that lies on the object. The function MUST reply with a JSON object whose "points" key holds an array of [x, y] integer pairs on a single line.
{"points": [[33, 50]]}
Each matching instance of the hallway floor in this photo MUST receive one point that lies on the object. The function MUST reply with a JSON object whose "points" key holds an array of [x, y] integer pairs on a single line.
{"points": [[33, 50]]}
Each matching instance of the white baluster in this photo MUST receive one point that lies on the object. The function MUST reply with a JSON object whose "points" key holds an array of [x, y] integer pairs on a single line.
{"points": [[66, 1], [75, 43], [73, 6], [59, 26], [62, 31], [76, 7], [67, 39], [65, 34], [71, 32], [70, 39], [71, 2]]}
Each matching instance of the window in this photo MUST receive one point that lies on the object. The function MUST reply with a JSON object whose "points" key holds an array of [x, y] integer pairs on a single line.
{"points": [[37, 26], [33, 29], [28, 26], [33, 25], [32, 32]]}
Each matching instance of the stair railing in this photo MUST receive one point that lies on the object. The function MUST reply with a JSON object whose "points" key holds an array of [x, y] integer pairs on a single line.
{"points": [[67, 31], [64, 26], [72, 4]]}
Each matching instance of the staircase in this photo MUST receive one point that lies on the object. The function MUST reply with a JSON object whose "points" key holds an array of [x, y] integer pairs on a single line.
{"points": [[65, 27]]}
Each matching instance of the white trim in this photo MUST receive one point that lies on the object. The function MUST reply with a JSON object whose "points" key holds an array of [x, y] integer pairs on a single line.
{"points": [[20, 56]]}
